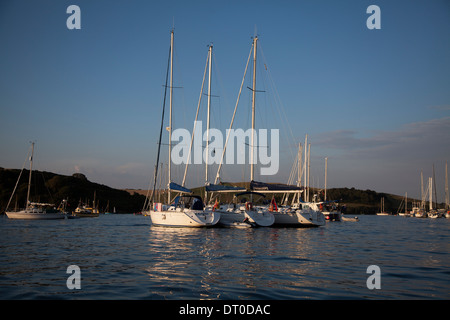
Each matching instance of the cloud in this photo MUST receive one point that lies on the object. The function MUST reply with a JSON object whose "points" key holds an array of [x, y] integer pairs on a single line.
{"points": [[131, 168], [440, 107], [348, 140], [419, 139], [388, 161]]}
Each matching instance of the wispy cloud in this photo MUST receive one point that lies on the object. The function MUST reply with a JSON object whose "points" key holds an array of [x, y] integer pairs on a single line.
{"points": [[432, 137], [388, 160], [440, 107]]}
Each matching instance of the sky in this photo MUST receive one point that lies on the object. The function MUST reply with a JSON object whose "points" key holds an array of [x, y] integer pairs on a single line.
{"points": [[375, 102]]}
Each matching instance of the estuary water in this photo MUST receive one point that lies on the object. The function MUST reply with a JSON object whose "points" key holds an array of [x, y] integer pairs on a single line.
{"points": [[124, 257]]}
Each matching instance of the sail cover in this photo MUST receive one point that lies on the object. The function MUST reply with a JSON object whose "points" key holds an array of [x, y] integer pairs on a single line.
{"points": [[177, 187], [222, 188], [273, 187]]}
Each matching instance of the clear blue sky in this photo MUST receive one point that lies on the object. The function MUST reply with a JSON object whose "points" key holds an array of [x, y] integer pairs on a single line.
{"points": [[376, 102]]}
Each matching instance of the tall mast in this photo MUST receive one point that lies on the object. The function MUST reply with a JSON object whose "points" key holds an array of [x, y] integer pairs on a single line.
{"points": [[309, 166], [326, 167], [170, 113], [255, 39], [304, 174], [435, 189], [299, 173], [421, 191], [430, 196], [406, 203], [29, 179], [299, 161], [208, 115], [447, 202]]}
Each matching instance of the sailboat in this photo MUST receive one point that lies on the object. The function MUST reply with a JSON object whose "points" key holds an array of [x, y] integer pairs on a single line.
{"points": [[33, 210], [186, 210], [299, 213], [247, 213], [107, 211], [382, 212], [419, 211], [405, 203]]}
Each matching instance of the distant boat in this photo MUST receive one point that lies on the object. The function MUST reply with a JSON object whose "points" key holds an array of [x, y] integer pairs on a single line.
{"points": [[344, 218], [418, 212], [85, 211], [382, 212], [434, 214], [107, 209], [405, 204], [33, 210]]}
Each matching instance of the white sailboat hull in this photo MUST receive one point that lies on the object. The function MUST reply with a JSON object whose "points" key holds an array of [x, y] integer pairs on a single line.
{"points": [[233, 220], [27, 215], [186, 218], [239, 217], [260, 218], [299, 218]]}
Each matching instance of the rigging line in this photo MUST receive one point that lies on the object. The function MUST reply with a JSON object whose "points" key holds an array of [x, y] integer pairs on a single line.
{"points": [[256, 146], [290, 179], [232, 119], [161, 129], [17, 182], [265, 103], [49, 193], [251, 89], [217, 116], [166, 86], [179, 121], [195, 122], [278, 100]]}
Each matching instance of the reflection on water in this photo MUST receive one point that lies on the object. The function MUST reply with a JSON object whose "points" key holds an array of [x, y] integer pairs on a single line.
{"points": [[226, 263], [124, 257]]}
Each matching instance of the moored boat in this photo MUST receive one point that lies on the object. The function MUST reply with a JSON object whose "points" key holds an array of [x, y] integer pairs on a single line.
{"points": [[243, 213], [298, 216], [354, 219], [85, 211], [33, 210], [37, 211], [186, 211]]}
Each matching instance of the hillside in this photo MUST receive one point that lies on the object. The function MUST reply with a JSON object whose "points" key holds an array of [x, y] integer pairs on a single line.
{"points": [[356, 201], [53, 188]]}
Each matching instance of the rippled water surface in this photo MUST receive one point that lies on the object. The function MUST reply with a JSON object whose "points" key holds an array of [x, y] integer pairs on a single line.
{"points": [[125, 257]]}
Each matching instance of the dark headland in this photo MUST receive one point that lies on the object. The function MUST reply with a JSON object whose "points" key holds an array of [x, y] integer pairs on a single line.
{"points": [[53, 188]]}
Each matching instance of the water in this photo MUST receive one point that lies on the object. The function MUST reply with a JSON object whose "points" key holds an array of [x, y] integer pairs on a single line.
{"points": [[124, 257]]}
